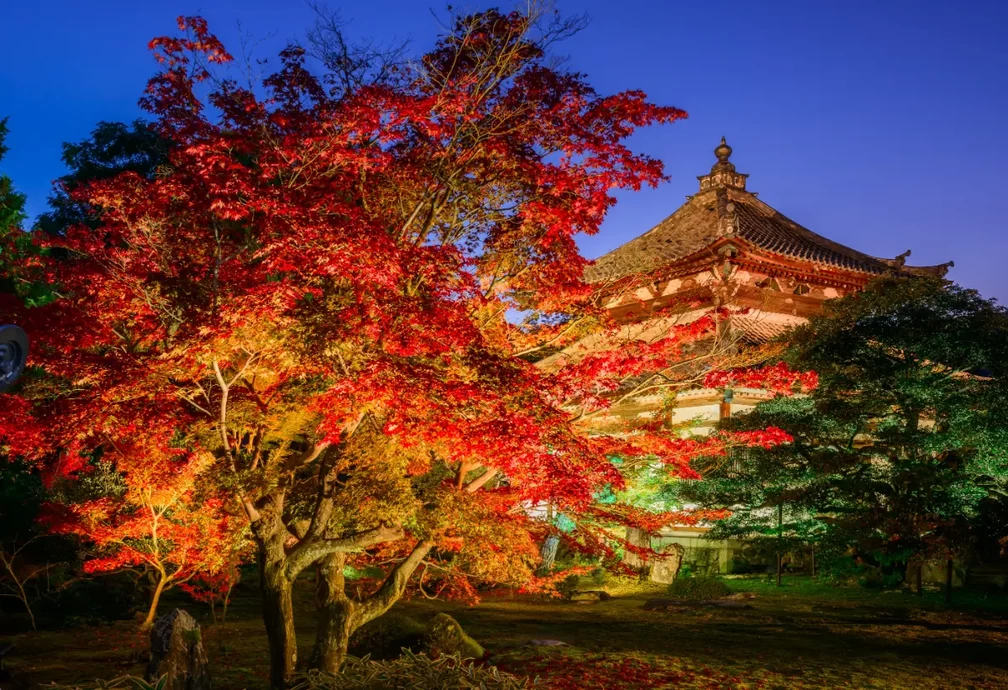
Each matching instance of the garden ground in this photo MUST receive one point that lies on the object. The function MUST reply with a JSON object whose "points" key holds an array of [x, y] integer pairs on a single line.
{"points": [[803, 635]]}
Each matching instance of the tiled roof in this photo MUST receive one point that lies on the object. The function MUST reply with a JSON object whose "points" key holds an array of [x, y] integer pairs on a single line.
{"points": [[724, 208]]}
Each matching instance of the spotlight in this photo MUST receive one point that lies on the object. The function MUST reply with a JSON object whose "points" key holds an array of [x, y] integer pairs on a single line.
{"points": [[13, 354]]}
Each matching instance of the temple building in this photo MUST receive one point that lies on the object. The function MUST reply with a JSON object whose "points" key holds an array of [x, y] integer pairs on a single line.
{"points": [[726, 248]]}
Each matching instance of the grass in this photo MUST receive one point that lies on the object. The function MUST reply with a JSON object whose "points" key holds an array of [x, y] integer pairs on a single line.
{"points": [[803, 635]]}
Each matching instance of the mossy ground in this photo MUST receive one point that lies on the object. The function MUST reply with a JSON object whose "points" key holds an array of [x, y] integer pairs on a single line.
{"points": [[803, 635]]}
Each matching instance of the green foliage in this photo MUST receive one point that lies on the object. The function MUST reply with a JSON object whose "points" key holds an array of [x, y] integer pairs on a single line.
{"points": [[13, 241], [698, 589], [444, 636], [112, 148], [386, 636], [21, 497], [901, 444], [568, 585], [12, 213], [699, 561], [353, 573], [447, 672]]}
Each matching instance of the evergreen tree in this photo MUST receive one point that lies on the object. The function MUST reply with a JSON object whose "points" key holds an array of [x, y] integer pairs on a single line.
{"points": [[12, 213], [111, 149], [901, 445]]}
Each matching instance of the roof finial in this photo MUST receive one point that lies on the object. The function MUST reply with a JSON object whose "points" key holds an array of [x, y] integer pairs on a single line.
{"points": [[722, 173], [723, 152]]}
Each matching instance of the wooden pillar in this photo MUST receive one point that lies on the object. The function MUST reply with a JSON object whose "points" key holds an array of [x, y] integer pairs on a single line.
{"points": [[726, 400]]}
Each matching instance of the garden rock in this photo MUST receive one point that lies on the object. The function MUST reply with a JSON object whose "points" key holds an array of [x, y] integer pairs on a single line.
{"points": [[590, 596], [665, 568], [548, 643], [444, 636], [177, 652], [385, 637]]}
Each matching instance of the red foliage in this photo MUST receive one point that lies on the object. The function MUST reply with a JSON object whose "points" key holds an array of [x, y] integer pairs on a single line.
{"points": [[308, 308], [777, 377]]}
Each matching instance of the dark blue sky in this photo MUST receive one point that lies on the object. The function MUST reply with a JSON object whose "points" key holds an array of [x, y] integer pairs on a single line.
{"points": [[879, 124]]}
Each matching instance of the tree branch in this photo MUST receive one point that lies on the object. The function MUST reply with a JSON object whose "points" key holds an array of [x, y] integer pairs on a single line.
{"points": [[310, 550], [395, 584]]}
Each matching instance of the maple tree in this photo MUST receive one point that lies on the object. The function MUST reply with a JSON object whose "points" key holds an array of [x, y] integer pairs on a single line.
{"points": [[157, 524], [312, 310], [213, 586], [214, 589]]}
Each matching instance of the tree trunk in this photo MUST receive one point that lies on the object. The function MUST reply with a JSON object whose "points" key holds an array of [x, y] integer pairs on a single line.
{"points": [[919, 576], [278, 614], [338, 615], [548, 554], [155, 598]]}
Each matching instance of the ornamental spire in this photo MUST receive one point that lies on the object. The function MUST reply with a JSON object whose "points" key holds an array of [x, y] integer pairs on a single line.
{"points": [[722, 173]]}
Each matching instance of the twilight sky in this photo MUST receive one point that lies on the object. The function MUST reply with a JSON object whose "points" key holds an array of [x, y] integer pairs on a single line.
{"points": [[879, 124]]}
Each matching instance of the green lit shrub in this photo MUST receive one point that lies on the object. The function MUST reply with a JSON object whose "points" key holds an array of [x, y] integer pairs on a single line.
{"points": [[568, 585]]}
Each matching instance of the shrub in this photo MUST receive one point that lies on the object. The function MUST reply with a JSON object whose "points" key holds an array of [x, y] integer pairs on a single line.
{"points": [[445, 637], [385, 637], [700, 561], [412, 671], [628, 586], [698, 589], [568, 585]]}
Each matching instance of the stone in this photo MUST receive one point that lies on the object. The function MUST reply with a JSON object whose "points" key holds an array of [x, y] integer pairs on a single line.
{"points": [[548, 643], [666, 605], [589, 596], [444, 636], [177, 652], [385, 637], [665, 568]]}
